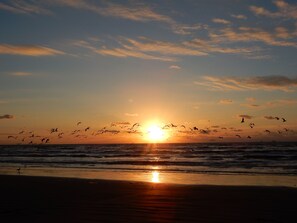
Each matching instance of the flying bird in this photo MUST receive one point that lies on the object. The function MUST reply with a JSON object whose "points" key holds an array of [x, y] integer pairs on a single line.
{"points": [[86, 129], [249, 137], [284, 120], [238, 136], [78, 123], [252, 125], [242, 120]]}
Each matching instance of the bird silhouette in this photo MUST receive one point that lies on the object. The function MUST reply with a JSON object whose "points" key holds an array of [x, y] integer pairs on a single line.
{"points": [[284, 120], [242, 120], [238, 136], [78, 123]]}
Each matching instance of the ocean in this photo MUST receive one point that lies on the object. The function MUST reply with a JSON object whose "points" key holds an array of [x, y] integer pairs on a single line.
{"points": [[277, 158]]}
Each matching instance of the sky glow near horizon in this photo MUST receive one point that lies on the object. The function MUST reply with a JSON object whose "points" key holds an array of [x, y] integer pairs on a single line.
{"points": [[190, 63]]}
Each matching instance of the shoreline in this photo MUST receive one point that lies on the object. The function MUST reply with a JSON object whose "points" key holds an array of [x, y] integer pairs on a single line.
{"points": [[181, 178], [52, 199]]}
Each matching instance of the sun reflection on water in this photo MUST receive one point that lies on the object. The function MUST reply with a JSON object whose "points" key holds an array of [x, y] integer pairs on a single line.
{"points": [[155, 177]]}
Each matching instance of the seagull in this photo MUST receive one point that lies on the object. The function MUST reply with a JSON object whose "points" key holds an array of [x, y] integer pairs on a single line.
{"points": [[238, 136], [86, 129], [252, 125], [195, 128], [78, 123], [277, 118], [249, 137], [14, 137], [284, 120], [54, 130], [242, 120], [268, 131], [183, 126]]}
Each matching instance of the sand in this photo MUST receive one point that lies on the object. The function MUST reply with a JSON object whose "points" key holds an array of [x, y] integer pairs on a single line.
{"points": [[48, 199]]}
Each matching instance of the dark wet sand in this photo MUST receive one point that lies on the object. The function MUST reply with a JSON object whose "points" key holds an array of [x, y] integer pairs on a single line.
{"points": [[45, 199]]}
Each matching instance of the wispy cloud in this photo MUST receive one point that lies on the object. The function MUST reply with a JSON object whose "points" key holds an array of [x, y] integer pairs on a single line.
{"points": [[175, 67], [221, 21], [145, 48], [136, 12], [284, 10], [6, 116], [239, 16], [250, 34], [211, 46], [28, 50], [25, 7], [20, 73], [225, 101], [249, 83], [131, 114]]}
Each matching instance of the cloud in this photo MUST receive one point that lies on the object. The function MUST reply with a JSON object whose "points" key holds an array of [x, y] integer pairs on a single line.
{"points": [[284, 10], [239, 16], [221, 21], [137, 12], [24, 7], [249, 83], [251, 34], [183, 29], [245, 116], [175, 67], [124, 53], [225, 101], [145, 48], [213, 47], [20, 73], [28, 50], [131, 114], [6, 116]]}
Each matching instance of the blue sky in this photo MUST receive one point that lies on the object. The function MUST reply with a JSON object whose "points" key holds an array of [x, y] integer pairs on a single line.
{"points": [[143, 61]]}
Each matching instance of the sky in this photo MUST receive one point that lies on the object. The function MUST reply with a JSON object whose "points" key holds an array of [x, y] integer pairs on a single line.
{"points": [[172, 64]]}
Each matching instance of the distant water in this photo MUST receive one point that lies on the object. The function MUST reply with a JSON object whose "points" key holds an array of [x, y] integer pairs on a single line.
{"points": [[224, 158]]}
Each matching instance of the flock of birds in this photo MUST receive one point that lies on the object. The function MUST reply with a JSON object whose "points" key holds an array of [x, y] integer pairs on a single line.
{"points": [[83, 132]]}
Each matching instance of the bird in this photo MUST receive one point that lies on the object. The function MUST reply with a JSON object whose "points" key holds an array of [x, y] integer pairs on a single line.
{"points": [[249, 137], [277, 118], [221, 137], [78, 123], [14, 137], [268, 131], [86, 129], [238, 136], [21, 132], [195, 128], [252, 125], [284, 120], [183, 126], [54, 130], [242, 120]]}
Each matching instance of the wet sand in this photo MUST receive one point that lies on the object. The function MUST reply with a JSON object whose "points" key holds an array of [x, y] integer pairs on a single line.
{"points": [[49, 199]]}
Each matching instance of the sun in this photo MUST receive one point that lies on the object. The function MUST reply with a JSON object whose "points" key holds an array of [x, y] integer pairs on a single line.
{"points": [[155, 133]]}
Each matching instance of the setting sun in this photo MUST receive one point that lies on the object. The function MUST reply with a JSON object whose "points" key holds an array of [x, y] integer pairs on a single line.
{"points": [[155, 133]]}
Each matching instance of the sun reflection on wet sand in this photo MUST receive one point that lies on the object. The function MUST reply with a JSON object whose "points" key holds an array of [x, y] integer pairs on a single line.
{"points": [[155, 177]]}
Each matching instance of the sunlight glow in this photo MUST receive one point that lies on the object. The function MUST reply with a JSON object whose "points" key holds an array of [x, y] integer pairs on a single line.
{"points": [[155, 133], [155, 177]]}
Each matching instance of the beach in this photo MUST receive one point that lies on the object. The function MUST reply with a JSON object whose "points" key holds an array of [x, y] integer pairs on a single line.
{"points": [[53, 199]]}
